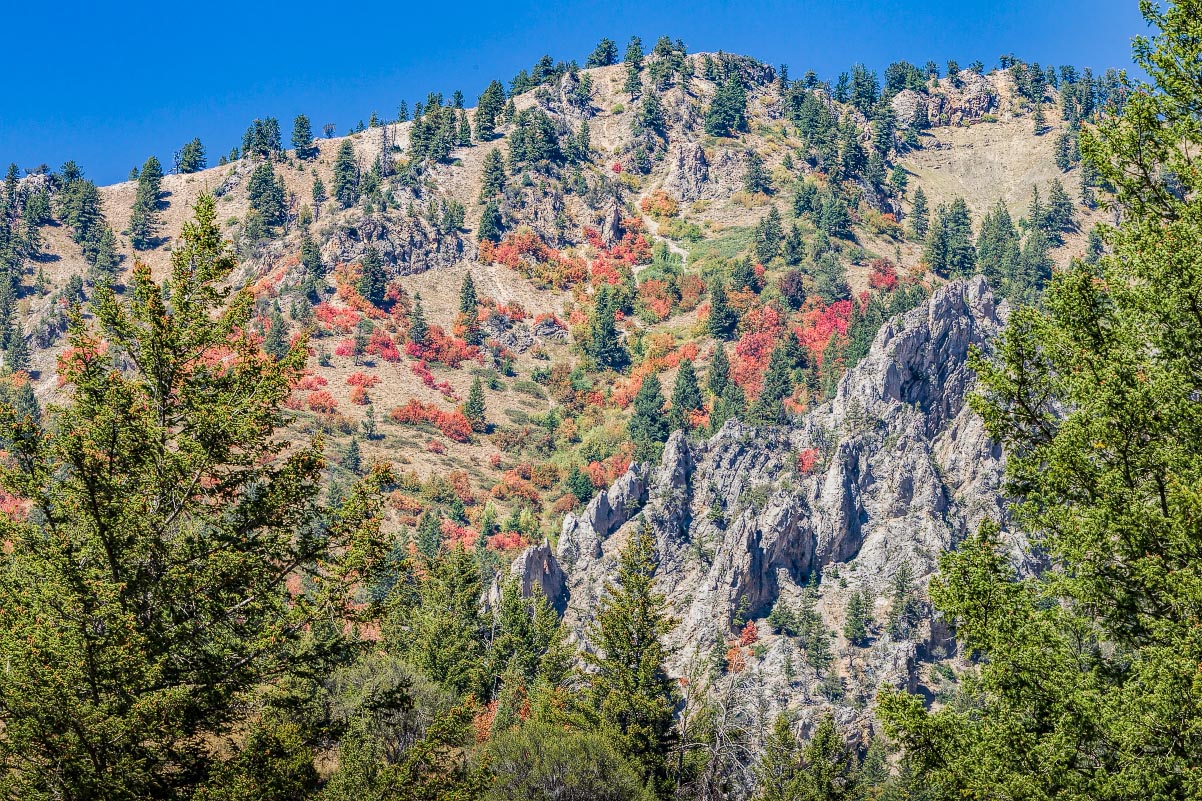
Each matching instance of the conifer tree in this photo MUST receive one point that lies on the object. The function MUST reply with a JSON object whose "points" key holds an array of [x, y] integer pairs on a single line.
{"points": [[302, 138], [604, 54], [351, 460], [492, 225], [144, 219], [191, 157], [949, 250], [310, 256], [419, 330], [319, 196], [755, 178], [16, 356], [719, 372], [920, 218], [373, 280], [275, 343], [604, 347], [778, 385], [492, 175], [469, 306], [648, 426], [727, 113], [629, 691], [686, 396], [346, 175], [855, 625], [722, 318], [189, 599], [265, 193], [474, 409], [489, 107], [633, 85]]}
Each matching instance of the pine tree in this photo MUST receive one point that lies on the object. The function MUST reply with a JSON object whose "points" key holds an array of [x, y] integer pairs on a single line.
{"points": [[769, 233], [629, 691], [191, 157], [778, 385], [373, 280], [604, 347], [319, 196], [756, 178], [144, 219], [351, 459], [16, 357], [492, 225], [949, 250], [920, 219], [719, 372], [492, 176], [190, 601], [474, 409], [686, 396], [265, 193], [488, 108], [310, 256], [419, 330], [633, 85], [275, 343], [855, 625], [469, 306], [648, 425], [604, 54], [346, 175], [727, 113], [302, 138], [722, 318]]}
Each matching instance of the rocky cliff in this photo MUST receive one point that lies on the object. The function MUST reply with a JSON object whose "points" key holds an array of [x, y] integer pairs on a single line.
{"points": [[894, 469]]}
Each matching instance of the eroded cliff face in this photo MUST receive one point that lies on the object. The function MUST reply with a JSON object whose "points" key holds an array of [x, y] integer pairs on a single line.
{"points": [[894, 469]]}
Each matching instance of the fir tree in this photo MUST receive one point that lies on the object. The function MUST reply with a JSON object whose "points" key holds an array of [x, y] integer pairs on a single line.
{"points": [[686, 396], [604, 54], [191, 157], [474, 409], [419, 330], [373, 280], [920, 219], [727, 113], [633, 85], [492, 176], [648, 425], [855, 625], [265, 193], [16, 357], [275, 343], [351, 459], [346, 175], [144, 219], [489, 107], [719, 372], [492, 225], [722, 318], [755, 177], [604, 347], [629, 691], [302, 138], [949, 250], [778, 385]]}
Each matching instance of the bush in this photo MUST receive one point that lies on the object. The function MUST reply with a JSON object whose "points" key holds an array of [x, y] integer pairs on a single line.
{"points": [[542, 762]]}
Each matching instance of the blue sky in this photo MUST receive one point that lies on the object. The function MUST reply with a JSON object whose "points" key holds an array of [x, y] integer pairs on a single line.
{"points": [[108, 87]]}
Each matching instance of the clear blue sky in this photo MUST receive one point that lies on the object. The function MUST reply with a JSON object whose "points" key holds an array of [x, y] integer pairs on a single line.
{"points": [[109, 86]]}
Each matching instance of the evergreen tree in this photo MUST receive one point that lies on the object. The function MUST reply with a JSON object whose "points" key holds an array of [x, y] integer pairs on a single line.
{"points": [[778, 385], [919, 216], [275, 343], [722, 318], [469, 305], [144, 218], [419, 330], [604, 54], [629, 691], [492, 176], [265, 193], [474, 409], [346, 175], [604, 347], [949, 250], [756, 178], [351, 459], [302, 138], [492, 225], [634, 66], [686, 396], [191, 157], [648, 425], [310, 256], [769, 233], [855, 625], [1061, 212], [727, 113], [189, 600], [16, 357], [719, 372], [489, 107], [998, 256], [373, 280]]}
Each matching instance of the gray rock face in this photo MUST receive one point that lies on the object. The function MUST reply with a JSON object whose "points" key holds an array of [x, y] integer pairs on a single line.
{"points": [[687, 172], [895, 468]]}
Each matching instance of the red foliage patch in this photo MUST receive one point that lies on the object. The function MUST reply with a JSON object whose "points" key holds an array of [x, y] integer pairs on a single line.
{"points": [[422, 371], [749, 635], [322, 402], [807, 460], [884, 275], [452, 424]]}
